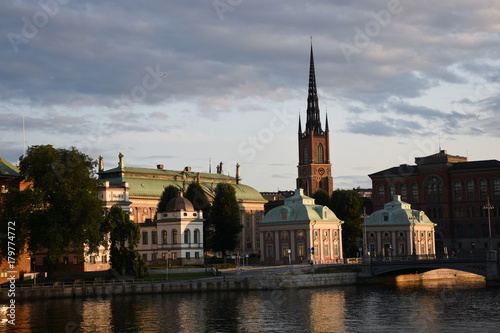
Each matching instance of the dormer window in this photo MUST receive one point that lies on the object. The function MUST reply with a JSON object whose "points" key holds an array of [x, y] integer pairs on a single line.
{"points": [[283, 215]]}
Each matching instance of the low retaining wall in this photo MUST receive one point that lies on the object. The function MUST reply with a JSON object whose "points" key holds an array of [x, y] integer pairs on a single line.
{"points": [[261, 282]]}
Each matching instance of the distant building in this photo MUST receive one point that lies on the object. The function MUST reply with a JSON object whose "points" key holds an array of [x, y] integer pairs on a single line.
{"points": [[453, 192], [275, 199], [138, 191], [398, 230], [299, 231], [176, 234], [9, 179], [314, 169]]}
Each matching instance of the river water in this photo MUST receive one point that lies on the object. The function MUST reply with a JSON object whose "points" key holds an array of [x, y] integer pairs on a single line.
{"points": [[431, 306]]}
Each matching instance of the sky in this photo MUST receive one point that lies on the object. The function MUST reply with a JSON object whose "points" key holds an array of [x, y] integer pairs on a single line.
{"points": [[196, 83]]}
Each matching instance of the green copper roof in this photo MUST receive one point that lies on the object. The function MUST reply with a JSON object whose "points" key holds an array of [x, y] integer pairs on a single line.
{"points": [[151, 182], [398, 212], [7, 169], [299, 208]]}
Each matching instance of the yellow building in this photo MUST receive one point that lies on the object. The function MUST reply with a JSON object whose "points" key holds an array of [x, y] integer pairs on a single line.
{"points": [[138, 190]]}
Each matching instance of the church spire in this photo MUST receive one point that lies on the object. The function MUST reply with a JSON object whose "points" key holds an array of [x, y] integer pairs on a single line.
{"points": [[326, 123], [313, 122], [300, 125]]}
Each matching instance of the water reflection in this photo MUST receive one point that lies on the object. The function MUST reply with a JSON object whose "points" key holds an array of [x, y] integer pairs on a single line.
{"points": [[432, 306]]}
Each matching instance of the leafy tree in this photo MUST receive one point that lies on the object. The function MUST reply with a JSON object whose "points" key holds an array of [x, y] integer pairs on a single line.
{"points": [[169, 192], [346, 204], [321, 197], [124, 238], [196, 195], [61, 211], [225, 218]]}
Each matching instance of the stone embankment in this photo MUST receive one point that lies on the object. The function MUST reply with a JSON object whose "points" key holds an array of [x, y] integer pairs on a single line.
{"points": [[223, 283]]}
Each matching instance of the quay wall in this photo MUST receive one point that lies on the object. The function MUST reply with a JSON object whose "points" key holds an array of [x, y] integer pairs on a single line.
{"points": [[233, 283]]}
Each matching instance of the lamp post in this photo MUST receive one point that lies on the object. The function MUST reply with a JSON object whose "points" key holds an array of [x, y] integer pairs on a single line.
{"points": [[414, 250], [290, 256], [489, 207], [365, 238], [168, 255], [313, 243]]}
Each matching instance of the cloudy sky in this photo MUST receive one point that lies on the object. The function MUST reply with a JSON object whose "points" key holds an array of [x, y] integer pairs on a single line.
{"points": [[183, 83]]}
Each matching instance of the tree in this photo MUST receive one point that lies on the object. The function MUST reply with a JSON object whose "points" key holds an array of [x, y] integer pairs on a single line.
{"points": [[225, 218], [346, 204], [124, 238], [168, 193], [61, 211], [196, 195], [321, 197]]}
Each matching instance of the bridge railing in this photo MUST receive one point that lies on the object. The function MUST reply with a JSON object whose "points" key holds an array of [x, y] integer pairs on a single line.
{"points": [[467, 256]]}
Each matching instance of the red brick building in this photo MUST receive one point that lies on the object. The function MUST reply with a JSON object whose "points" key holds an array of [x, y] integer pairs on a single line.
{"points": [[314, 169], [454, 193]]}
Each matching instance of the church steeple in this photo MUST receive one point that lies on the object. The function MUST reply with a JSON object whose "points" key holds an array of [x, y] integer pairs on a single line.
{"points": [[300, 125], [313, 121]]}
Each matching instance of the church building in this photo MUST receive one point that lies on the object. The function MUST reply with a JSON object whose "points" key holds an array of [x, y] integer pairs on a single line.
{"points": [[314, 169]]}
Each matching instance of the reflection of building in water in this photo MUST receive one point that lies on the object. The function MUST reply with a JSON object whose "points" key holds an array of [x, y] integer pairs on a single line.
{"points": [[328, 311], [96, 315]]}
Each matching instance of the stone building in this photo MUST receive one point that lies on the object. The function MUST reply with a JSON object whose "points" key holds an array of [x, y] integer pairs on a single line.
{"points": [[176, 234], [300, 231], [462, 197], [399, 231], [138, 191]]}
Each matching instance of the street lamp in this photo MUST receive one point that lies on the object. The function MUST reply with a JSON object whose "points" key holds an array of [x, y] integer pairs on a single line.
{"points": [[313, 243], [365, 238], [290, 256], [414, 251], [489, 207], [168, 255]]}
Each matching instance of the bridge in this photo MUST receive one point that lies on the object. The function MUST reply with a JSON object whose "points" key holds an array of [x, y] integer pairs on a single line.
{"points": [[486, 265]]}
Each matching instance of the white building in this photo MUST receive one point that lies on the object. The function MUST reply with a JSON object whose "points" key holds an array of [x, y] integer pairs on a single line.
{"points": [[176, 234]]}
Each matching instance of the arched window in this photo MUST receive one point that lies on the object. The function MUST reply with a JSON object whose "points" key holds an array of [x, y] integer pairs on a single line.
{"points": [[305, 152], [196, 239], [434, 189], [321, 156], [414, 193], [381, 194], [164, 236], [392, 190], [469, 188], [187, 236], [404, 192], [457, 190], [174, 236], [483, 189], [496, 188]]}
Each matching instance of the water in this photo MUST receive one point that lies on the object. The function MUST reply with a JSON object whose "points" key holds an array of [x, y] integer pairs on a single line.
{"points": [[444, 306]]}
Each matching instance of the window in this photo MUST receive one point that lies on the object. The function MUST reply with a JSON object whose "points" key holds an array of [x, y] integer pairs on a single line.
{"points": [[92, 259], [381, 194], [326, 250], [145, 257], [153, 257], [144, 238], [457, 190], [269, 251], [321, 157], [403, 191], [188, 255], [434, 189], [154, 237], [197, 255], [496, 188], [187, 236], [392, 190], [75, 260], [483, 189], [196, 236], [164, 236], [104, 259], [469, 188], [249, 243], [65, 260], [174, 236], [414, 193]]}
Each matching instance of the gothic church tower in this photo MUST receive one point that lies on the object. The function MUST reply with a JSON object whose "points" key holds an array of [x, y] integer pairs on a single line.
{"points": [[314, 169]]}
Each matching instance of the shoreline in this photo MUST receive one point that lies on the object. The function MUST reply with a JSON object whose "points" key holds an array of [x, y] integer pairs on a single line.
{"points": [[263, 281]]}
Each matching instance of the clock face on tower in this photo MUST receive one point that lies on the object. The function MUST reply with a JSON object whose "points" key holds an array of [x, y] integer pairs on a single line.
{"points": [[321, 171]]}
